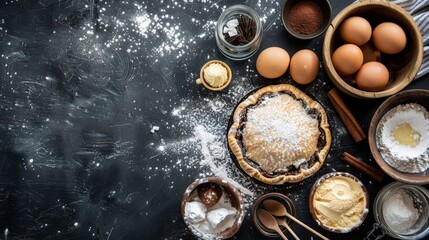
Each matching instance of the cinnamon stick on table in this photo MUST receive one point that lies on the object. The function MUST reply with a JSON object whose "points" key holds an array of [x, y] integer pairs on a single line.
{"points": [[363, 167], [346, 116]]}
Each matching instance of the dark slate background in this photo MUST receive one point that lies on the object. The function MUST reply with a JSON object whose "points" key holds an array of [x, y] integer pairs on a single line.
{"points": [[82, 84]]}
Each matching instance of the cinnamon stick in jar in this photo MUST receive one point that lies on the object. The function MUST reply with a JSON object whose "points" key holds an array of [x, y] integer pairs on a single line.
{"points": [[352, 125]]}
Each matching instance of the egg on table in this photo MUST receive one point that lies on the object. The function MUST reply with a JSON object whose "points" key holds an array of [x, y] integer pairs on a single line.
{"points": [[272, 62], [304, 66], [372, 77], [347, 59], [356, 30], [389, 38]]}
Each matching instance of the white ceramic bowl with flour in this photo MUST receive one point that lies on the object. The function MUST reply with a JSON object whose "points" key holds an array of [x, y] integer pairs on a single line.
{"points": [[402, 211], [399, 136]]}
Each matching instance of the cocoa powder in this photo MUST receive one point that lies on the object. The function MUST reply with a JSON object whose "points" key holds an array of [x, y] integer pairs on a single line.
{"points": [[305, 17]]}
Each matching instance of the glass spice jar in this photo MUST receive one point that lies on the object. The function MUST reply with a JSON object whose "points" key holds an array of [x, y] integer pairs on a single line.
{"points": [[420, 201], [238, 52]]}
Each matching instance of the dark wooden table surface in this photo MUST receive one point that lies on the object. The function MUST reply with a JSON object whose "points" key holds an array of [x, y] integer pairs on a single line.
{"points": [[85, 85]]}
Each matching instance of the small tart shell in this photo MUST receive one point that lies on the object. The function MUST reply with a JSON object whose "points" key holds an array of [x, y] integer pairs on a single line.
{"points": [[281, 178]]}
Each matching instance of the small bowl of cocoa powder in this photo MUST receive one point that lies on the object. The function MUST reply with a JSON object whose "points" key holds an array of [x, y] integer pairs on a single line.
{"points": [[306, 19]]}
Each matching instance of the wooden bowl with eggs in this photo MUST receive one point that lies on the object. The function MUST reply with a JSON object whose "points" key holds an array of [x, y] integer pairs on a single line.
{"points": [[402, 67]]}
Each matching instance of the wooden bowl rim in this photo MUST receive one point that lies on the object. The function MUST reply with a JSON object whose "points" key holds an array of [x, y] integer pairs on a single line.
{"points": [[388, 104], [349, 89]]}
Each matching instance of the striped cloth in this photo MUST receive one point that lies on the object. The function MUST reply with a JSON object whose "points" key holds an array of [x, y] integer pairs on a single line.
{"points": [[419, 9]]}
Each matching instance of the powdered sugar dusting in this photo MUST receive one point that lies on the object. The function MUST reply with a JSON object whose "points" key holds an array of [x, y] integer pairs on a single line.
{"points": [[212, 150], [282, 120], [143, 23], [201, 140]]}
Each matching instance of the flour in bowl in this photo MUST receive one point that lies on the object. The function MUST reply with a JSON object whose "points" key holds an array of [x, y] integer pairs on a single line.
{"points": [[403, 138]]}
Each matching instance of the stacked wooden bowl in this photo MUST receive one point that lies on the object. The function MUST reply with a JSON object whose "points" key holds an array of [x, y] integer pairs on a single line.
{"points": [[402, 67]]}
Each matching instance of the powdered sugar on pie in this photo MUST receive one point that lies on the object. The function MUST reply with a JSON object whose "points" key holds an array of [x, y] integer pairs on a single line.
{"points": [[279, 132]]}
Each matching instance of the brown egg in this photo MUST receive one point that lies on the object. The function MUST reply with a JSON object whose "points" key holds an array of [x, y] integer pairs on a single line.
{"points": [[356, 30], [209, 193], [389, 38], [273, 62], [372, 77], [304, 66], [347, 59]]}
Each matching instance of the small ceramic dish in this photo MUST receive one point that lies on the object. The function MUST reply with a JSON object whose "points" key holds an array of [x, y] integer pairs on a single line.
{"points": [[418, 96], [202, 81], [340, 200], [287, 202], [325, 7], [232, 194]]}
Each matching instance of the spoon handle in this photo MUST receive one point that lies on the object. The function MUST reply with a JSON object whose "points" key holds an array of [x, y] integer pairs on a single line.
{"points": [[284, 224], [281, 234], [306, 227]]}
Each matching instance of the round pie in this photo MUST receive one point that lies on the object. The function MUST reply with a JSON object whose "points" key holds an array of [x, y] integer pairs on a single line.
{"points": [[279, 134]]}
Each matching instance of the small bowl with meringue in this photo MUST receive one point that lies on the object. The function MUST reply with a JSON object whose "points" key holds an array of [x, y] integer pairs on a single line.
{"points": [[212, 208]]}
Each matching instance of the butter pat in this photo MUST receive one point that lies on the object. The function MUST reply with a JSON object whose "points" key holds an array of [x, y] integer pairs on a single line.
{"points": [[220, 217], [195, 211], [215, 75]]}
